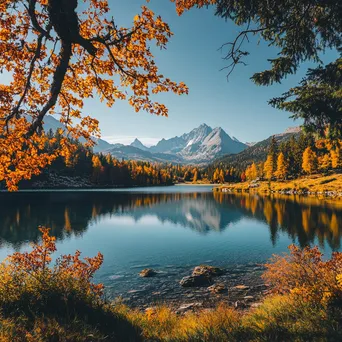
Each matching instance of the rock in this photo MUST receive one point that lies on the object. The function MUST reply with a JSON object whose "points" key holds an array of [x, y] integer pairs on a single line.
{"points": [[239, 305], [217, 288], [256, 305], [207, 270], [194, 281], [187, 307], [147, 272], [241, 287]]}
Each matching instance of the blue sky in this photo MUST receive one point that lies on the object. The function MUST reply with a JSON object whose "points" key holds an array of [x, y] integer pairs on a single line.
{"points": [[192, 56]]}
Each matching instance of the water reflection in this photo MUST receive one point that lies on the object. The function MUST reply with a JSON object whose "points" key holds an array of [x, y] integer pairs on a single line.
{"points": [[304, 219], [71, 213]]}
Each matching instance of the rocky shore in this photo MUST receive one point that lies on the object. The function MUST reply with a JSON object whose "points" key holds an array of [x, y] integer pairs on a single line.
{"points": [[303, 192], [240, 287]]}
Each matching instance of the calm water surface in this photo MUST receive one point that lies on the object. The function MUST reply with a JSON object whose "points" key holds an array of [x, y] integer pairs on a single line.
{"points": [[171, 229]]}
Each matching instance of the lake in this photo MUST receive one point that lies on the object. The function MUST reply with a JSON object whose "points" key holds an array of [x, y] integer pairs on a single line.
{"points": [[170, 229]]}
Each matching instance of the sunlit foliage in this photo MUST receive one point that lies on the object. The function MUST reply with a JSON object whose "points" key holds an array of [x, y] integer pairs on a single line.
{"points": [[57, 54]]}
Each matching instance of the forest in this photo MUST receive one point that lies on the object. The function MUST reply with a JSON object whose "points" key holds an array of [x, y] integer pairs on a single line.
{"points": [[294, 158]]}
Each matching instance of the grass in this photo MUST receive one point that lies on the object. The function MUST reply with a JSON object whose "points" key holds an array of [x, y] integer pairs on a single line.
{"points": [[315, 184], [279, 318]]}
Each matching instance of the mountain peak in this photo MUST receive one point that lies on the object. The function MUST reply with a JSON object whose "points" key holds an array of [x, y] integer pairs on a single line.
{"points": [[137, 143], [295, 129]]}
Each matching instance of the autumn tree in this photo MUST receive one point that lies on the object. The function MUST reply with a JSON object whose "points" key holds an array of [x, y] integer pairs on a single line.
{"points": [[251, 172], [336, 159], [300, 31], [57, 54], [281, 172], [97, 168], [309, 164], [268, 167], [221, 176], [216, 175], [195, 176], [325, 163]]}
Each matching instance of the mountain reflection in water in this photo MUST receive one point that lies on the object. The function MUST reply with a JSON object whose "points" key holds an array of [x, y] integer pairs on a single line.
{"points": [[71, 213]]}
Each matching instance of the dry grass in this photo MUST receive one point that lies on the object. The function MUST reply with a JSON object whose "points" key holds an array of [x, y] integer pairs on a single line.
{"points": [[314, 184]]}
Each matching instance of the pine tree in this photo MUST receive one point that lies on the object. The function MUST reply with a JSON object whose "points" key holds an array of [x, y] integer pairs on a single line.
{"points": [[309, 164], [268, 167], [273, 151], [282, 171]]}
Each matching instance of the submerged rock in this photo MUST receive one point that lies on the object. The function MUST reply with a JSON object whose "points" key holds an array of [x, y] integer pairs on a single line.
{"points": [[241, 287], [217, 288], [194, 281], [147, 272], [207, 270]]}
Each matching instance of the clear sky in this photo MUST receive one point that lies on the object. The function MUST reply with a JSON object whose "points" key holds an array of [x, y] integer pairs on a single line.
{"points": [[192, 56]]}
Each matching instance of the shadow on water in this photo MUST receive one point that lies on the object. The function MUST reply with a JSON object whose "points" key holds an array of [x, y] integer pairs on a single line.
{"points": [[71, 213]]}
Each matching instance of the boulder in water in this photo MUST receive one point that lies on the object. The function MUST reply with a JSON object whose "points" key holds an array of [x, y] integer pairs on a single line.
{"points": [[210, 271], [196, 281], [147, 272]]}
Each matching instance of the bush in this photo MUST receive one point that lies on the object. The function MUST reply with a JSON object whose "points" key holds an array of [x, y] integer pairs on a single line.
{"points": [[56, 302]]}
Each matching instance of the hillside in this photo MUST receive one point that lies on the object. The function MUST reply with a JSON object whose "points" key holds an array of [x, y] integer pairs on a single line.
{"points": [[256, 152]]}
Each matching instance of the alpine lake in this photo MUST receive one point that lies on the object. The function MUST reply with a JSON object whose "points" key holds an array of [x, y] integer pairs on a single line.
{"points": [[171, 230]]}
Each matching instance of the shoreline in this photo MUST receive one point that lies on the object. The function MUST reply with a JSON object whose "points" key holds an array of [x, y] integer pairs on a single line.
{"points": [[329, 187], [243, 288]]}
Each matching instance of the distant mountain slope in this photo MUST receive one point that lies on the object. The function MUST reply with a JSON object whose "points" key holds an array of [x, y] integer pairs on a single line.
{"points": [[134, 153], [51, 123], [257, 152]]}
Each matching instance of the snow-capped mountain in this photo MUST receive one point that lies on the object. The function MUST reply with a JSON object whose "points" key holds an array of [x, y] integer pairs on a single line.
{"points": [[177, 144], [202, 145], [216, 143], [138, 144]]}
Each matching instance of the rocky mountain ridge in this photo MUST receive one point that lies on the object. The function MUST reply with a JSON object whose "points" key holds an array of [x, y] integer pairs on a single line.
{"points": [[199, 146]]}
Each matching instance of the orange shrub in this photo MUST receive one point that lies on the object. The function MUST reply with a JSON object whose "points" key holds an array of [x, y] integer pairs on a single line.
{"points": [[28, 281], [303, 272]]}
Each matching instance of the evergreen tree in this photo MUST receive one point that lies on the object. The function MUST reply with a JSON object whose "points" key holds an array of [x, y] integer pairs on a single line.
{"points": [[273, 151]]}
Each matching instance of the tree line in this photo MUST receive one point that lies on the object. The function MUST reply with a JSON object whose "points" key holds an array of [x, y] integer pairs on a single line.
{"points": [[296, 157]]}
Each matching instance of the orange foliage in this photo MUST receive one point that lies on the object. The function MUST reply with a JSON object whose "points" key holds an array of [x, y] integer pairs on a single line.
{"points": [[31, 271], [183, 5], [305, 273], [52, 73]]}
